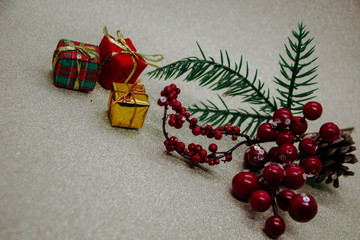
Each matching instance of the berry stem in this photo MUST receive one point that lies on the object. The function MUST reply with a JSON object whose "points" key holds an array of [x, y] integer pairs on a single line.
{"points": [[273, 203]]}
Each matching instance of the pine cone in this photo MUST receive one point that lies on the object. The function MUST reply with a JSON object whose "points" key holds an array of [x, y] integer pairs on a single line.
{"points": [[333, 156]]}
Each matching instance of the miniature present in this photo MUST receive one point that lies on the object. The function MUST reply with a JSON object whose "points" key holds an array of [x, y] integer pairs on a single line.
{"points": [[120, 62], [76, 65], [128, 105]]}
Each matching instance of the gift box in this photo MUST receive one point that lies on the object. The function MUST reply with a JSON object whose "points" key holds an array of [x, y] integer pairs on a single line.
{"points": [[128, 105], [76, 65], [120, 61]]}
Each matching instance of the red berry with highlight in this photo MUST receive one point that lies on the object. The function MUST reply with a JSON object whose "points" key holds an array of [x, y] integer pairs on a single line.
{"points": [[274, 226], [282, 117], [308, 146], [312, 165], [302, 207], [196, 130], [284, 136], [193, 121], [244, 184], [217, 135], [208, 128], [236, 129], [273, 172], [213, 147], [329, 132], [202, 153], [312, 110], [287, 153], [180, 146], [295, 176], [298, 125], [196, 159], [283, 199], [266, 132], [255, 157], [260, 201], [228, 128]]}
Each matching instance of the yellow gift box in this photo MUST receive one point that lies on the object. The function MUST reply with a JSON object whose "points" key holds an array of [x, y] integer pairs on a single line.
{"points": [[128, 105]]}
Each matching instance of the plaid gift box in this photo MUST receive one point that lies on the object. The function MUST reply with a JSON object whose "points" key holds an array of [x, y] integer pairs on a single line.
{"points": [[76, 65], [128, 105], [120, 62]]}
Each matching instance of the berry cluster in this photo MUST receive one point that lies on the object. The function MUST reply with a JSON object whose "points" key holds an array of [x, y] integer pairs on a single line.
{"points": [[282, 169], [280, 174], [194, 152]]}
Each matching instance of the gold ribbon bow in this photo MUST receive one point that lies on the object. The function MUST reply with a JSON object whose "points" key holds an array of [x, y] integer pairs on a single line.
{"points": [[121, 43], [127, 96], [87, 51]]}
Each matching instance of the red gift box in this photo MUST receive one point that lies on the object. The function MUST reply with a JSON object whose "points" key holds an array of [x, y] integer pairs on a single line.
{"points": [[119, 61]]}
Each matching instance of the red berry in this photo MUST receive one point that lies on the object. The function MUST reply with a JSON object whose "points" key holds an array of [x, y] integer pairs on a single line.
{"points": [[260, 201], [213, 147], [283, 199], [180, 146], [312, 165], [212, 162], [178, 91], [178, 126], [234, 137], [302, 207], [160, 102], [228, 158], [266, 132], [217, 135], [236, 129], [195, 159], [287, 153], [284, 136], [176, 105], [172, 87], [202, 153], [166, 143], [186, 114], [193, 121], [274, 226], [273, 172], [217, 161], [172, 122], [228, 128], [171, 96], [295, 176], [273, 155], [208, 128], [170, 148], [298, 125], [282, 117], [191, 146], [308, 146], [312, 110], [196, 130], [162, 93], [197, 148], [244, 184], [167, 90], [264, 185], [329, 132], [210, 135], [255, 157], [206, 160], [173, 140]]}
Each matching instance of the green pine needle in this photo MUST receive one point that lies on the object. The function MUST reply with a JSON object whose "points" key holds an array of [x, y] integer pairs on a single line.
{"points": [[218, 76], [297, 72], [209, 113]]}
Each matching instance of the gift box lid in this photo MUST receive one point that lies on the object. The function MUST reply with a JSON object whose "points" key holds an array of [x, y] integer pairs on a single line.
{"points": [[139, 93]]}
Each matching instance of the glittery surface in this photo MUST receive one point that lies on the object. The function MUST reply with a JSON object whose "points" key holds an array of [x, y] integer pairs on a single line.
{"points": [[65, 173]]}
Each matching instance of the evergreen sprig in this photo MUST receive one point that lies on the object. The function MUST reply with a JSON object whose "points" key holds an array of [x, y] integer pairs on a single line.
{"points": [[235, 79], [210, 113], [295, 73]]}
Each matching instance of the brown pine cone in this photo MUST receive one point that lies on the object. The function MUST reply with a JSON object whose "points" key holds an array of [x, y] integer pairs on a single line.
{"points": [[333, 156]]}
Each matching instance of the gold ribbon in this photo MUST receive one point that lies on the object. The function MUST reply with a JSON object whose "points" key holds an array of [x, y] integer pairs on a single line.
{"points": [[127, 96], [87, 51], [121, 43]]}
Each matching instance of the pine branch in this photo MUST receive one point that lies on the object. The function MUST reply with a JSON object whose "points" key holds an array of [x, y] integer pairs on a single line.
{"points": [[211, 114], [295, 75], [218, 76]]}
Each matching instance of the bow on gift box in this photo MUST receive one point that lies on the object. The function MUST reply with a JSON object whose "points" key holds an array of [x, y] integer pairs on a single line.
{"points": [[121, 43], [134, 89], [87, 51]]}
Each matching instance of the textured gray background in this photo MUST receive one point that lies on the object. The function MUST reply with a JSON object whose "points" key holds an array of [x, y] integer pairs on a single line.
{"points": [[65, 173]]}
